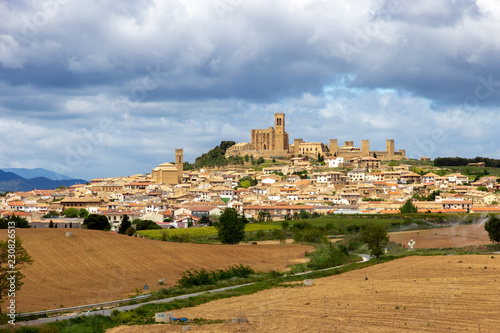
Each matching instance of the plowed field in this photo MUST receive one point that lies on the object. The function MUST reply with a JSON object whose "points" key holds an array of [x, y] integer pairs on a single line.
{"points": [[460, 236], [413, 294], [96, 266]]}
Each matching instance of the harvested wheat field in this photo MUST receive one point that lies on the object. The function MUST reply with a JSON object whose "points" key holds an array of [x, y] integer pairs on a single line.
{"points": [[460, 236], [97, 266], [413, 294]]}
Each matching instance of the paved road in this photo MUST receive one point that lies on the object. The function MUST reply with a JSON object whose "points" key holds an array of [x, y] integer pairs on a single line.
{"points": [[122, 308], [107, 312], [365, 257]]}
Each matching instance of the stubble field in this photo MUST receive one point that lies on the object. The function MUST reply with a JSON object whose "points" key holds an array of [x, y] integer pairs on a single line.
{"points": [[413, 294], [96, 266], [459, 236]]}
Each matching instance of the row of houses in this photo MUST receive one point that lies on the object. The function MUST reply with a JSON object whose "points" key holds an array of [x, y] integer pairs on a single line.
{"points": [[365, 187]]}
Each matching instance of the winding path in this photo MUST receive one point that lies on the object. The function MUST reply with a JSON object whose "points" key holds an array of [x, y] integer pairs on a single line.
{"points": [[107, 312]]}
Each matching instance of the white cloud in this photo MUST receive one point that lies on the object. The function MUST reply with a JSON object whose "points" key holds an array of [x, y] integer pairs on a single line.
{"points": [[10, 56], [189, 74]]}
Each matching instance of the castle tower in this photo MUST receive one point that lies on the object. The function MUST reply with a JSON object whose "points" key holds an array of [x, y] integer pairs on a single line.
{"points": [[334, 147], [389, 148], [179, 163], [296, 146], [279, 132], [365, 147]]}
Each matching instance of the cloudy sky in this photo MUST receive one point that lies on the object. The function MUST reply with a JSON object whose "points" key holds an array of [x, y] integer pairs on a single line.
{"points": [[108, 88]]}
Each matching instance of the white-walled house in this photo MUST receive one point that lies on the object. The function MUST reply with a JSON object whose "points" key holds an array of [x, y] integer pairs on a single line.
{"points": [[334, 162]]}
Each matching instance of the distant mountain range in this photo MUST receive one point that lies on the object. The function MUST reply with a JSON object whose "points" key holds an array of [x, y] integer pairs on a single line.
{"points": [[13, 179], [38, 172]]}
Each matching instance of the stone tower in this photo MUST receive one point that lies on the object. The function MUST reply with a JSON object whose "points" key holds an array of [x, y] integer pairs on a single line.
{"points": [[279, 131], [365, 147], [389, 148], [179, 163], [334, 147]]}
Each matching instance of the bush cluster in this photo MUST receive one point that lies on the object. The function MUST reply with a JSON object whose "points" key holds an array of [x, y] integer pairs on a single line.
{"points": [[203, 277]]}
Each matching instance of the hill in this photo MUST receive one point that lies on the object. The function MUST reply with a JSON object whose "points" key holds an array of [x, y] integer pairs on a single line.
{"points": [[38, 172], [12, 182], [97, 266], [215, 158]]}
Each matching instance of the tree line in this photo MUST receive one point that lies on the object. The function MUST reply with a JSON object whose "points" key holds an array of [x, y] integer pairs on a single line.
{"points": [[462, 161]]}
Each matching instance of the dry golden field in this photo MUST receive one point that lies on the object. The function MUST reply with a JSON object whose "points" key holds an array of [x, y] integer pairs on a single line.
{"points": [[460, 236], [413, 294], [96, 266]]}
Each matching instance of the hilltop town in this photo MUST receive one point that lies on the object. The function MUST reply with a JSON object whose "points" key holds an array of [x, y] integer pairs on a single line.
{"points": [[275, 180]]}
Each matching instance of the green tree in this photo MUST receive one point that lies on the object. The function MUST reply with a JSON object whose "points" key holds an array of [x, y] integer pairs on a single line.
{"points": [[245, 184], [304, 214], [260, 160], [279, 235], [482, 188], [19, 222], [408, 207], [124, 225], [285, 225], [376, 238], [11, 263], [145, 225], [224, 145], [96, 222], [83, 213], [492, 226], [205, 219], [231, 227], [433, 195], [51, 213], [70, 212], [248, 181], [130, 231]]}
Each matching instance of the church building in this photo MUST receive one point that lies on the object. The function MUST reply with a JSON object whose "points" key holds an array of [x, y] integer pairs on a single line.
{"points": [[168, 173]]}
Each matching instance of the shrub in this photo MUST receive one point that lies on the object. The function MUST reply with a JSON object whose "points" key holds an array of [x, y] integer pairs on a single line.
{"points": [[315, 235], [353, 228], [279, 235], [203, 277], [285, 225], [130, 231], [260, 234], [146, 225], [70, 212], [327, 256]]}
